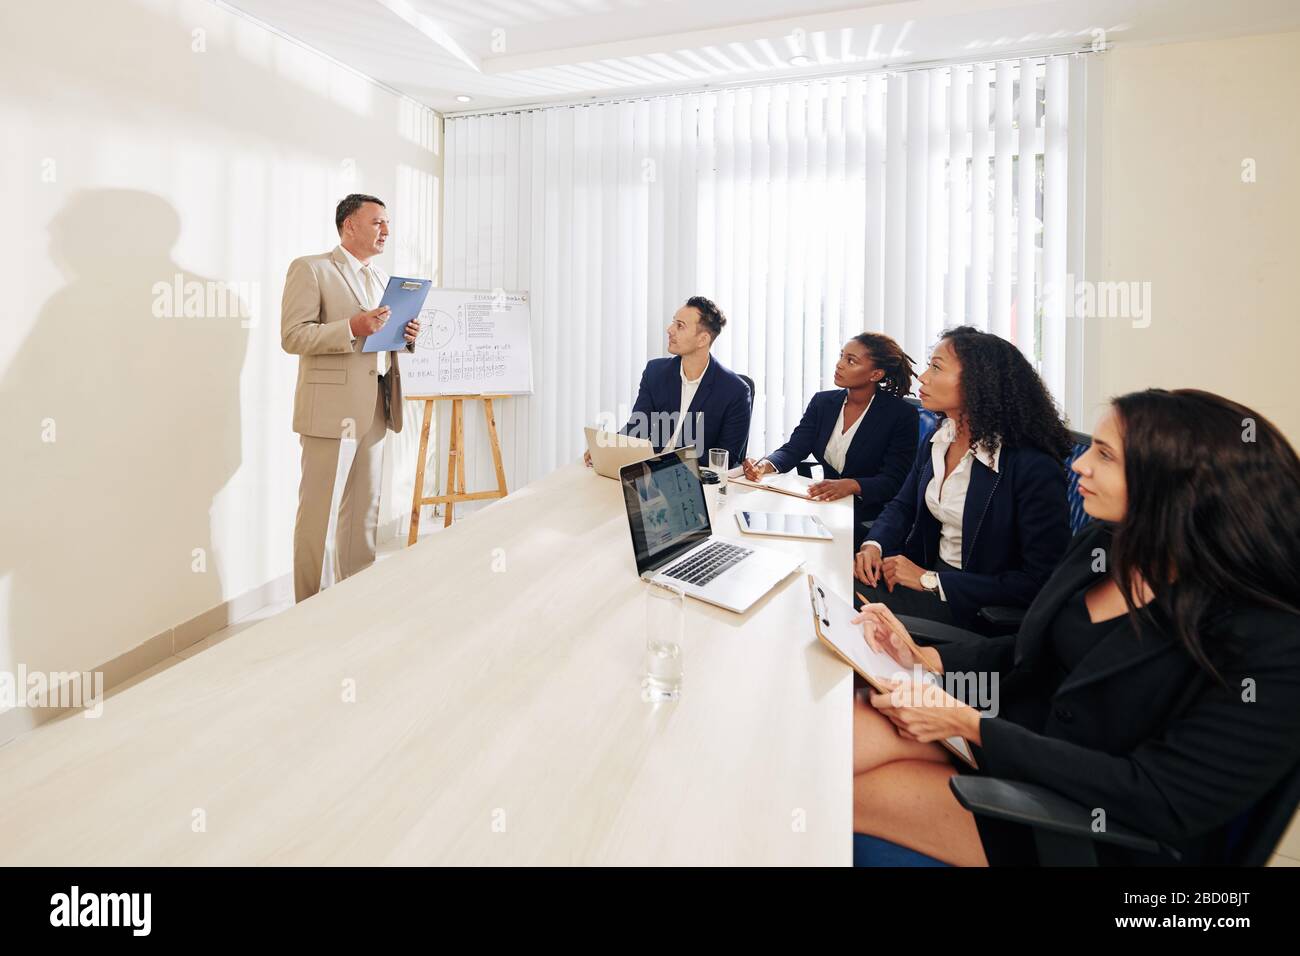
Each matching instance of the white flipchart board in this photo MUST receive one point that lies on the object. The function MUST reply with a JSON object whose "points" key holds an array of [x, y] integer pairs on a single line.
{"points": [[471, 342]]}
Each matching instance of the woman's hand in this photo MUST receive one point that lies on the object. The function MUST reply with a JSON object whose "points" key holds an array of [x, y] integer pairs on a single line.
{"points": [[867, 564], [756, 470], [926, 712], [834, 489], [899, 570], [885, 634]]}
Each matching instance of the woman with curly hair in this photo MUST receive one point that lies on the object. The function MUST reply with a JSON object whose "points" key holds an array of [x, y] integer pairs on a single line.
{"points": [[982, 519], [861, 432]]}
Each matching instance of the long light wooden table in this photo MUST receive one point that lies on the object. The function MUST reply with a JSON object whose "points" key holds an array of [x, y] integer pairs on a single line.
{"points": [[497, 719]]}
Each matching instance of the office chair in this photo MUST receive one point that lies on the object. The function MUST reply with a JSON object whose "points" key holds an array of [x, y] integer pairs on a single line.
{"points": [[752, 393], [1063, 829]]}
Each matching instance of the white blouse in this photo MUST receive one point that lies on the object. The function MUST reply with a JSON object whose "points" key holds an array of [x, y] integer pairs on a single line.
{"points": [[946, 498], [838, 445]]}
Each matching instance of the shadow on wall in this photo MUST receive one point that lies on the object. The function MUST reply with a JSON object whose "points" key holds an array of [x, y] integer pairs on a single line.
{"points": [[122, 412]]}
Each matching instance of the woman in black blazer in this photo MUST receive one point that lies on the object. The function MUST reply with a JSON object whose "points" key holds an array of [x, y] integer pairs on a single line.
{"points": [[1156, 678], [983, 517], [861, 432]]}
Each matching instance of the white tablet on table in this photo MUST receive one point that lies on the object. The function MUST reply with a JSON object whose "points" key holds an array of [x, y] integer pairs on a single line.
{"points": [[783, 525]]}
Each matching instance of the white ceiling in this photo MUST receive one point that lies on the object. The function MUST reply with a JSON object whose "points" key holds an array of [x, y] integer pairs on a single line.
{"points": [[512, 52]]}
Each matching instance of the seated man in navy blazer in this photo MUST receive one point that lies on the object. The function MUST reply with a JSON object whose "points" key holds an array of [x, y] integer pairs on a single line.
{"points": [[716, 400]]}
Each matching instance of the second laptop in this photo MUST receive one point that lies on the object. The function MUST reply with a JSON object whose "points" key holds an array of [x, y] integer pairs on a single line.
{"points": [[674, 543]]}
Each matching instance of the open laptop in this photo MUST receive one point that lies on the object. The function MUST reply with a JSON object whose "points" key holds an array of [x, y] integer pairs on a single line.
{"points": [[674, 542], [610, 451]]}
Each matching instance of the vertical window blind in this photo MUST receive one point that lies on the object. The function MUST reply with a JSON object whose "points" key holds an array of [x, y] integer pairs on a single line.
{"points": [[904, 203]]}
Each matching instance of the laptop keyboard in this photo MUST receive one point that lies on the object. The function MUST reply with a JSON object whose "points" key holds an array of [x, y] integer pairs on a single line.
{"points": [[703, 566]]}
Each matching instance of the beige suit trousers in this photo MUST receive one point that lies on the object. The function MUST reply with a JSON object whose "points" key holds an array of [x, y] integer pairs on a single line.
{"points": [[358, 521]]}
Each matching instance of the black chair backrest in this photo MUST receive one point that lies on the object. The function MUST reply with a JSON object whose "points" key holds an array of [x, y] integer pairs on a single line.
{"points": [[752, 394], [750, 382]]}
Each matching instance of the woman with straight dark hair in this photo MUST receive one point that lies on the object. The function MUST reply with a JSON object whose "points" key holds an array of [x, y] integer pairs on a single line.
{"points": [[982, 518], [861, 432], [1157, 675]]}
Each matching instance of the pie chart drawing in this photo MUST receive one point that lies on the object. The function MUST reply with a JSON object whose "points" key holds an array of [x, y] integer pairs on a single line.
{"points": [[439, 332]]}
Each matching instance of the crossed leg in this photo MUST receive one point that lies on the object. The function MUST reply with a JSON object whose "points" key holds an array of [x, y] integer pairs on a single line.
{"points": [[900, 793]]}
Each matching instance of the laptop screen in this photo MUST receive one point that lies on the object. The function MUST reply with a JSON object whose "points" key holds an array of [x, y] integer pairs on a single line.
{"points": [[665, 508]]}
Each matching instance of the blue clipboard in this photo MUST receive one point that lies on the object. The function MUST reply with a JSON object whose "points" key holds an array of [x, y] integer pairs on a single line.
{"points": [[405, 298]]}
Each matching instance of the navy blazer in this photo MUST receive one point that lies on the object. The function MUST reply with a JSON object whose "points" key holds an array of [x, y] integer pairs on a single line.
{"points": [[878, 457], [1137, 727], [722, 403], [1015, 527]]}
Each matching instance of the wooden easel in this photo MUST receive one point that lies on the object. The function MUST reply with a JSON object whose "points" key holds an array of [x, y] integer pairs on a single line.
{"points": [[455, 459]]}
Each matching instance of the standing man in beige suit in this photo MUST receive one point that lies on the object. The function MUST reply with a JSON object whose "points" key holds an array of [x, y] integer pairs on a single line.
{"points": [[331, 303]]}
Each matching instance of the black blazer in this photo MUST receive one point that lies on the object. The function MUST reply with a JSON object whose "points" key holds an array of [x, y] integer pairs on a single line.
{"points": [[878, 457], [1137, 728], [722, 403], [1015, 527]]}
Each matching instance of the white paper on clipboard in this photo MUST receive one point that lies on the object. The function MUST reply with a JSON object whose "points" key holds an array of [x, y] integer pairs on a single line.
{"points": [[831, 617], [786, 484]]}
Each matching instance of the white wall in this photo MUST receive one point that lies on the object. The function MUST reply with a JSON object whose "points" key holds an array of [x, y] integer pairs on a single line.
{"points": [[136, 150], [131, 156], [1222, 256]]}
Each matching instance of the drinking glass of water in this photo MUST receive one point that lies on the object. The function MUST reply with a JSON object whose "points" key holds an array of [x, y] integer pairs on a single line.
{"points": [[718, 465], [664, 616]]}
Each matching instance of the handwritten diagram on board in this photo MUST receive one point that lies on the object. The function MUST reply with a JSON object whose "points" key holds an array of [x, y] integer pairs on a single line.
{"points": [[471, 342]]}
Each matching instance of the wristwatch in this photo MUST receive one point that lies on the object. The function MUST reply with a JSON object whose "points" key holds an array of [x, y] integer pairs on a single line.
{"points": [[930, 581]]}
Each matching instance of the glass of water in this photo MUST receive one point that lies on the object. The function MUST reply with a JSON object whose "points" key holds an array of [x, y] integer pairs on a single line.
{"points": [[718, 465], [664, 622]]}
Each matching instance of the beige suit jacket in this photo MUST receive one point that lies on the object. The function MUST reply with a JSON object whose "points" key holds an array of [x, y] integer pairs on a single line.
{"points": [[336, 380]]}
